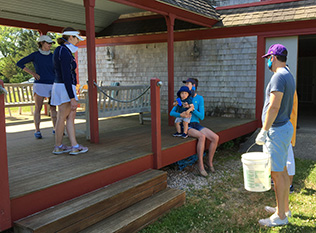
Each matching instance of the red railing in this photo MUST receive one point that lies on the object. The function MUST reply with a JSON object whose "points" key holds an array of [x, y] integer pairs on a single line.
{"points": [[5, 208], [155, 121]]}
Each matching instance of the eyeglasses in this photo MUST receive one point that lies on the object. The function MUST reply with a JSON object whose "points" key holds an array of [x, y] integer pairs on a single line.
{"points": [[48, 42]]}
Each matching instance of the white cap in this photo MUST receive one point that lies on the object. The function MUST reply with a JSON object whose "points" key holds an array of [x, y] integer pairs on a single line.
{"points": [[46, 39], [73, 33]]}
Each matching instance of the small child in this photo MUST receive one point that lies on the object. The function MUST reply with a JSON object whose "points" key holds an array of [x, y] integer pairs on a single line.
{"points": [[184, 104]]}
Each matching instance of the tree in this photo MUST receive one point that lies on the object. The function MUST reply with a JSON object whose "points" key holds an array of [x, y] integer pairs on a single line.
{"points": [[16, 43]]}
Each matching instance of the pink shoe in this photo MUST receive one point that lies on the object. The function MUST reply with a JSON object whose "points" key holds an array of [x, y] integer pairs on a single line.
{"points": [[78, 150], [63, 149]]}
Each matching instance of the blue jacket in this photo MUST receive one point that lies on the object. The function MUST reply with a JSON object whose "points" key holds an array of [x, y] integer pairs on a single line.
{"points": [[65, 68]]}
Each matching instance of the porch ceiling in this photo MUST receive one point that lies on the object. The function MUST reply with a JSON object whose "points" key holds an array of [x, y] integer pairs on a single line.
{"points": [[57, 14], [62, 13]]}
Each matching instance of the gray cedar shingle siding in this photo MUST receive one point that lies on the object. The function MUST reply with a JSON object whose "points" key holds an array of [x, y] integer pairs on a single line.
{"points": [[201, 7], [274, 13]]}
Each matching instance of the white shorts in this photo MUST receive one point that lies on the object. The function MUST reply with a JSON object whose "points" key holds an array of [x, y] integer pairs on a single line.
{"points": [[180, 119], [290, 163], [60, 94], [42, 89]]}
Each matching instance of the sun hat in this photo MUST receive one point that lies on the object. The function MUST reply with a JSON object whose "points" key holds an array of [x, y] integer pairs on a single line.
{"points": [[183, 88], [45, 38], [73, 33], [189, 80], [276, 49]]}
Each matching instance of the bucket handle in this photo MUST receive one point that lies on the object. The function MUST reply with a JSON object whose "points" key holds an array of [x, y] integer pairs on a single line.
{"points": [[253, 145], [266, 148]]}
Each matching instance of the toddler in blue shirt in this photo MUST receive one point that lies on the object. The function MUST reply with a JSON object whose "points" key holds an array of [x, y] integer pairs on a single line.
{"points": [[184, 103]]}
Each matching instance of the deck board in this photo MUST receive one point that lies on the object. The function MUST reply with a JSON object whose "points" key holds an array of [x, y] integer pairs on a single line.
{"points": [[32, 166]]}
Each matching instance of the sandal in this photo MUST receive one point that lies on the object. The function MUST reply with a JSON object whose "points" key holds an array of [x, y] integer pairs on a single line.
{"points": [[202, 173], [210, 168]]}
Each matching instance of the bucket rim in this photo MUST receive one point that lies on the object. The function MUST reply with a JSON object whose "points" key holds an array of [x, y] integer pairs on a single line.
{"points": [[263, 156]]}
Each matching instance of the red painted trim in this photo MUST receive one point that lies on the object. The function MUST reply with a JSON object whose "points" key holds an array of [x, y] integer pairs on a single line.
{"points": [[268, 30], [5, 208], [260, 78], [170, 25], [262, 3], [174, 154], [235, 132], [155, 122], [92, 73], [37, 201], [165, 9]]}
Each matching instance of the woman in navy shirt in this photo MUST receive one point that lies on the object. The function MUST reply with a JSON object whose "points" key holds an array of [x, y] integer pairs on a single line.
{"points": [[44, 78], [64, 92]]}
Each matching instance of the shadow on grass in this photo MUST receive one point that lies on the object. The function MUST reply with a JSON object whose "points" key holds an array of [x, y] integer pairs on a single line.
{"points": [[303, 169], [309, 192], [297, 229]]}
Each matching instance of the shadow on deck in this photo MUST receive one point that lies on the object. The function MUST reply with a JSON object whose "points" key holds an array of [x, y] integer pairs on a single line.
{"points": [[39, 179]]}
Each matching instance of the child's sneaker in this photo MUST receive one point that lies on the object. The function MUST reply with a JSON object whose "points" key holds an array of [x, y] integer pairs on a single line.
{"points": [[61, 149], [78, 150], [38, 135], [184, 135], [176, 134]]}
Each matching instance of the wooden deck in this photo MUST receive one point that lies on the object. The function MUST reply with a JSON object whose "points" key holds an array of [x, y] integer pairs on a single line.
{"points": [[33, 167]]}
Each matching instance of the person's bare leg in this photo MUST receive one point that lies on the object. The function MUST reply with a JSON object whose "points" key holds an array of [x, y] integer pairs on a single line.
{"points": [[213, 138], [37, 112], [281, 186], [178, 127], [53, 115], [291, 180], [62, 114], [70, 127], [200, 147], [185, 127]]}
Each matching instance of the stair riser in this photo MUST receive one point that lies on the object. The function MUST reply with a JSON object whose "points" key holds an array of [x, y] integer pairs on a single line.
{"points": [[152, 216], [100, 204], [113, 209]]}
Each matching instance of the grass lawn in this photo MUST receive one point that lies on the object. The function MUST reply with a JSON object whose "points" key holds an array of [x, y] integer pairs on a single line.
{"points": [[225, 206]]}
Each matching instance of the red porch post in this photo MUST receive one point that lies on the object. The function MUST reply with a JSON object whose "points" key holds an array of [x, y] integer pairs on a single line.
{"points": [[92, 73], [260, 78], [5, 207], [155, 121], [170, 25]]}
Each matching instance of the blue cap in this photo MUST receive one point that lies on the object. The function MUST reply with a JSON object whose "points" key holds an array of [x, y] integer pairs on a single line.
{"points": [[183, 88], [189, 80]]}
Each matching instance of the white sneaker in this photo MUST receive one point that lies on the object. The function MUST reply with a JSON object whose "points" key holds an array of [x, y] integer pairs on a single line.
{"points": [[272, 210], [273, 221]]}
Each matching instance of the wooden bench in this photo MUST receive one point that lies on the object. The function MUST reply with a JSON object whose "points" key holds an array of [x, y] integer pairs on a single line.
{"points": [[19, 95], [117, 101]]}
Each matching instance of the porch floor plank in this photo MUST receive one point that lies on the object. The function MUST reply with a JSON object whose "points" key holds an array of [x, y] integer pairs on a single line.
{"points": [[32, 166]]}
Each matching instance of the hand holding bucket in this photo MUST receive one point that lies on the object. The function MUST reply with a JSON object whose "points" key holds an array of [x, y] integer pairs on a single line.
{"points": [[256, 170]]}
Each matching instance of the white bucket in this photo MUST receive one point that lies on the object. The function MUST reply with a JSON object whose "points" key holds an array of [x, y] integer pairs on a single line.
{"points": [[257, 171]]}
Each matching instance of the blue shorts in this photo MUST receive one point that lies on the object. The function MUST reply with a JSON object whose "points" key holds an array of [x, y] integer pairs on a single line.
{"points": [[195, 125], [277, 144]]}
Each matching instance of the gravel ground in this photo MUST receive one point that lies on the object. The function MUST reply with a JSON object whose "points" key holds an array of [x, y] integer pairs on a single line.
{"points": [[189, 178]]}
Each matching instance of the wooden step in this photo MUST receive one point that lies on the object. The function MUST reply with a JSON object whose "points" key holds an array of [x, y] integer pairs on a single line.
{"points": [[140, 214], [81, 212]]}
